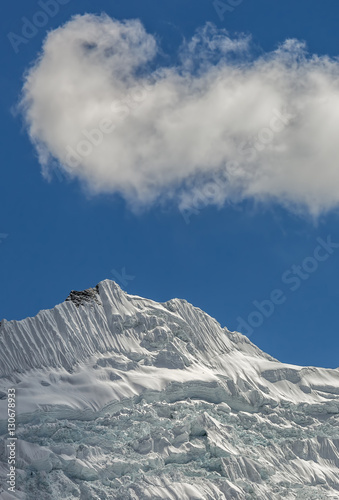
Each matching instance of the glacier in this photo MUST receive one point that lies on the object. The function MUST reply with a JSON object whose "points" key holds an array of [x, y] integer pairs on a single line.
{"points": [[121, 397]]}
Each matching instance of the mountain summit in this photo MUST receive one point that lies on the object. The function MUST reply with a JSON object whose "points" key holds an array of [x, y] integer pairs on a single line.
{"points": [[121, 397]]}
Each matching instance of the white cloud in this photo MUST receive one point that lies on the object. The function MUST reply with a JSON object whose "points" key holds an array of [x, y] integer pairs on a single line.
{"points": [[253, 127]]}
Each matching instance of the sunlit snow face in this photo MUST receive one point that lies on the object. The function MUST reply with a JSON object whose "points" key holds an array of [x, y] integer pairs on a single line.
{"points": [[118, 394]]}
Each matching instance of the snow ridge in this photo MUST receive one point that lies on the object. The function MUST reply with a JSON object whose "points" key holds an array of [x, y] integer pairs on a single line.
{"points": [[120, 397]]}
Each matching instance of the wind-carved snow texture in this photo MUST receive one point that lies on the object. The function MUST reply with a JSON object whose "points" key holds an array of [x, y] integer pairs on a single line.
{"points": [[119, 397]]}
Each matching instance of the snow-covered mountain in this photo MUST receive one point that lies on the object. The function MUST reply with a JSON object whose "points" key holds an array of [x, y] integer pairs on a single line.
{"points": [[120, 397]]}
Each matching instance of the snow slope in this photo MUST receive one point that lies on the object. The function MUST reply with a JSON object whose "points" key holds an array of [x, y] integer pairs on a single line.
{"points": [[120, 397]]}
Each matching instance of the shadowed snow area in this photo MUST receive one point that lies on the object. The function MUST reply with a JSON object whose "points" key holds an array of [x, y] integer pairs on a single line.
{"points": [[120, 397]]}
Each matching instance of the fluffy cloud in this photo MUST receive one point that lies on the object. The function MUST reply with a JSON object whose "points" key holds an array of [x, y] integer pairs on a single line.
{"points": [[219, 125]]}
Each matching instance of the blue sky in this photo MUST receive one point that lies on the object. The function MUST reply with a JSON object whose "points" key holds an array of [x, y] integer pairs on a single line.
{"points": [[55, 237]]}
